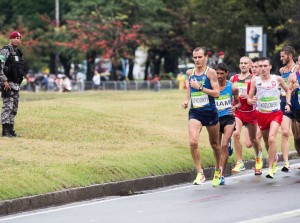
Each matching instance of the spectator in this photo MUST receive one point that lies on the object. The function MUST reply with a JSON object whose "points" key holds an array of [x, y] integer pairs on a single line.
{"points": [[156, 82], [96, 80], [180, 79], [221, 56], [80, 81], [67, 85]]}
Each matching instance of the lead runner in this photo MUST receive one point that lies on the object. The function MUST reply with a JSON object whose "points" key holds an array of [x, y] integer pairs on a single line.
{"points": [[202, 90]]}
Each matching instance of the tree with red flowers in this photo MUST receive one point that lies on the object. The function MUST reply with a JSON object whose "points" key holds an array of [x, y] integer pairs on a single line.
{"points": [[111, 37]]}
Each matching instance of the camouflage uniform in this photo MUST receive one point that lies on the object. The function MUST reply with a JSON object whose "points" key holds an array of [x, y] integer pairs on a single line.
{"points": [[10, 98]]}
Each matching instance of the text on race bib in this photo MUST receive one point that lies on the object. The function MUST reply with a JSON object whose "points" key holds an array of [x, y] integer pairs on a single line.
{"points": [[223, 102], [242, 87], [199, 99], [269, 104]]}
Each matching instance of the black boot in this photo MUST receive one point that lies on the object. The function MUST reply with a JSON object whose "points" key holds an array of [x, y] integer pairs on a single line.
{"points": [[12, 130], [6, 130]]}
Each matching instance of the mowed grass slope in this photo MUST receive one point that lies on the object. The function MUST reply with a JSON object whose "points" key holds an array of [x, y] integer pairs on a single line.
{"points": [[79, 139]]}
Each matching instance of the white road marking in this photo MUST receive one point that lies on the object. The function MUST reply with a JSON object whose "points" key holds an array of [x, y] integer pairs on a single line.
{"points": [[275, 217]]}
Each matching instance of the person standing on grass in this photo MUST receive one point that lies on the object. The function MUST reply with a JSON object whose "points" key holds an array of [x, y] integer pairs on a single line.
{"points": [[264, 92], [12, 71], [228, 92], [245, 116], [287, 58], [202, 90]]}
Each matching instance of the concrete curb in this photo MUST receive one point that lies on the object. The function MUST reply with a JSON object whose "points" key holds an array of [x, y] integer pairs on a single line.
{"points": [[123, 188]]}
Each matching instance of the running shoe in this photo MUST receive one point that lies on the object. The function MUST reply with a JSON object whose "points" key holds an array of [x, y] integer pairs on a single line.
{"points": [[222, 180], [230, 148], [258, 164], [199, 179], [270, 174], [274, 166], [217, 178], [286, 167], [239, 166]]}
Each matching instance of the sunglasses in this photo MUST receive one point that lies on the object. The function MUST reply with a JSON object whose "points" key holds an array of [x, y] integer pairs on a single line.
{"points": [[221, 73]]}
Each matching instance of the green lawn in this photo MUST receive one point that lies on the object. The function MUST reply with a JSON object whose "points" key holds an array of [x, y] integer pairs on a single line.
{"points": [[78, 139]]}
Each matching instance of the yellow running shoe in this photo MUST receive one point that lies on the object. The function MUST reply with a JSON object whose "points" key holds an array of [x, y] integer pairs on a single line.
{"points": [[286, 167], [258, 164], [217, 178], [199, 179], [239, 166], [274, 166], [270, 174]]}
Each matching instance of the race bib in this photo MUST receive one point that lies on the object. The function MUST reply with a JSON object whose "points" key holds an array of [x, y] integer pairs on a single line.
{"points": [[223, 102], [242, 87], [199, 99], [269, 104]]}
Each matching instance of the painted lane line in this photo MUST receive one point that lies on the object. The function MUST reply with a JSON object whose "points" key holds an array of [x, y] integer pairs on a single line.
{"points": [[275, 217]]}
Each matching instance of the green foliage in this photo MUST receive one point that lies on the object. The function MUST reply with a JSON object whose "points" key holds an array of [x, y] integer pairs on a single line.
{"points": [[169, 27]]}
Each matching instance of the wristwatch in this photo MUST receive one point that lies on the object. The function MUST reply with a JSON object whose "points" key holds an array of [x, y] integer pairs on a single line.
{"points": [[200, 87]]}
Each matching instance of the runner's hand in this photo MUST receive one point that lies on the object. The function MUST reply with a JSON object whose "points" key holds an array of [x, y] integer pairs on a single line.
{"points": [[185, 104], [287, 108]]}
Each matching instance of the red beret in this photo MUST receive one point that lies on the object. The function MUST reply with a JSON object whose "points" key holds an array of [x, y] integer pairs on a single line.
{"points": [[221, 53], [14, 34]]}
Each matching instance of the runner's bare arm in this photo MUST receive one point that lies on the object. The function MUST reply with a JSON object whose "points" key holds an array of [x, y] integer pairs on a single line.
{"points": [[212, 76], [235, 94], [185, 104], [251, 98], [287, 93], [292, 82]]}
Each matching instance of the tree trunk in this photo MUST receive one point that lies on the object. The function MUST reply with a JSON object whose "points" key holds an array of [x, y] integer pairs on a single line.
{"points": [[66, 63], [156, 56], [130, 69], [52, 64], [171, 63], [90, 58]]}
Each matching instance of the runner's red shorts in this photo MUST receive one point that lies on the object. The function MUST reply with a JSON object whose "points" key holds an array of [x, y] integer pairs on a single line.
{"points": [[264, 119], [247, 117]]}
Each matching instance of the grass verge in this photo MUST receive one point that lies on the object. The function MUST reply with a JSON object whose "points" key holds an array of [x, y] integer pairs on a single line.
{"points": [[80, 139]]}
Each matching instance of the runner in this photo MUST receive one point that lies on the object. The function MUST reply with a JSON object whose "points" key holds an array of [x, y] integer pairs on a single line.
{"points": [[294, 86], [269, 115], [226, 112], [203, 89], [286, 56], [246, 115], [255, 72]]}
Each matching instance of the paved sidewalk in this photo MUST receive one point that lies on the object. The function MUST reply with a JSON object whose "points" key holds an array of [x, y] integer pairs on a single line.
{"points": [[123, 188]]}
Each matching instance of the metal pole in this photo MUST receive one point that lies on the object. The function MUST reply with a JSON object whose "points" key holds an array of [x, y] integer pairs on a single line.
{"points": [[264, 45], [57, 30], [57, 13]]}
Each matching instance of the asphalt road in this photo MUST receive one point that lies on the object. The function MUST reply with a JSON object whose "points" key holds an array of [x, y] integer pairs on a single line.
{"points": [[244, 198]]}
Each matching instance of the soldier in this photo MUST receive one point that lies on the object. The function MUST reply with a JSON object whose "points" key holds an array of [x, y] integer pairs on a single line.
{"points": [[12, 71]]}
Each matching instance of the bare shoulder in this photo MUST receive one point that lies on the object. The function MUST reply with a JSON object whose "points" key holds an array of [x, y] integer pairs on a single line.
{"points": [[235, 89], [281, 70], [279, 78], [211, 73], [189, 72]]}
